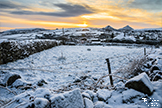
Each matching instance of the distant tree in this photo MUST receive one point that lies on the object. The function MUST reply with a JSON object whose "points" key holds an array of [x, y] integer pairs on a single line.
{"points": [[112, 35], [124, 34], [144, 37], [147, 38], [137, 37], [83, 35], [63, 32]]}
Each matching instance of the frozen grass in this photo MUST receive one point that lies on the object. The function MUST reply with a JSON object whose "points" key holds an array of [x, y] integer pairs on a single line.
{"points": [[134, 68]]}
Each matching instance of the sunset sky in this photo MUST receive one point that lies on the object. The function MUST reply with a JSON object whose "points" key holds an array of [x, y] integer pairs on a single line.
{"points": [[52, 14]]}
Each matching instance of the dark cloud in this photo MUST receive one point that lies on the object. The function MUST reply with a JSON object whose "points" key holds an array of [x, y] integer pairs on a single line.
{"points": [[10, 5], [68, 10], [22, 12], [151, 5]]}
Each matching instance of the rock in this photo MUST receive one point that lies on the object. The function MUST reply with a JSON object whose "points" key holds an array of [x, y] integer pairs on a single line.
{"points": [[103, 94], [148, 64], [86, 95], [77, 80], [101, 104], [154, 68], [88, 103], [158, 87], [132, 96], [41, 82], [116, 97], [71, 99], [119, 84], [95, 98], [29, 105], [95, 78], [91, 93], [41, 103], [8, 78], [159, 63], [20, 82], [156, 75], [140, 83], [40, 98], [43, 93], [88, 49], [83, 77]]}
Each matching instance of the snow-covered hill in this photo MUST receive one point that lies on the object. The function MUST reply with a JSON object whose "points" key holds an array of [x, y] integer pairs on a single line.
{"points": [[22, 31], [85, 35], [109, 28], [147, 29], [126, 28]]}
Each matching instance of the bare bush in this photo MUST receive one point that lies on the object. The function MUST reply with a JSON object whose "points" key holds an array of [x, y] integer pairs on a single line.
{"points": [[134, 68]]}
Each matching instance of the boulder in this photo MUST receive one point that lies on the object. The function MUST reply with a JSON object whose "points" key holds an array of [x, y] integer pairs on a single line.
{"points": [[83, 77], [41, 82], [103, 94], [41, 103], [132, 96], [86, 95], [8, 78], [156, 75], [77, 80], [91, 93], [95, 98], [101, 104], [120, 84], [140, 83], [88, 103], [40, 98], [71, 99], [159, 63], [20, 83], [153, 68], [43, 93]]}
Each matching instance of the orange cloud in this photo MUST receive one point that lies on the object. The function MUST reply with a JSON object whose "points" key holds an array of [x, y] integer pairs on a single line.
{"points": [[38, 23], [116, 10]]}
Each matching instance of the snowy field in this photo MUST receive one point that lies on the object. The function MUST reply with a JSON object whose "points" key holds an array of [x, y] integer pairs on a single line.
{"points": [[63, 64]]}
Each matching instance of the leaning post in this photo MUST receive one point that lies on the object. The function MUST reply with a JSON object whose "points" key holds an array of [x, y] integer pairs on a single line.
{"points": [[144, 51], [109, 70]]}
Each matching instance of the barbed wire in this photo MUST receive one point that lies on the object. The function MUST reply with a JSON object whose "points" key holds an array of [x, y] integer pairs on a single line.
{"points": [[50, 70], [53, 71], [81, 61], [78, 72], [36, 67]]}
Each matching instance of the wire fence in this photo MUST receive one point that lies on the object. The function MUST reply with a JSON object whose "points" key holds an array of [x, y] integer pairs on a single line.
{"points": [[83, 70], [65, 64]]}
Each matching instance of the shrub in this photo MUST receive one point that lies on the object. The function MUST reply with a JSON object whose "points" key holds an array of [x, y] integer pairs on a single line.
{"points": [[134, 68]]}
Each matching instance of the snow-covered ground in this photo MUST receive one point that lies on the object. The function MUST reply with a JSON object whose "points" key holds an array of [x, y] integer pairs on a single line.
{"points": [[121, 36], [77, 34], [63, 64], [19, 36]]}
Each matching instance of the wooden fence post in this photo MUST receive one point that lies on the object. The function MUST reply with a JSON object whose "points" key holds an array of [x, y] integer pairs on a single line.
{"points": [[109, 69], [144, 51], [63, 32]]}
